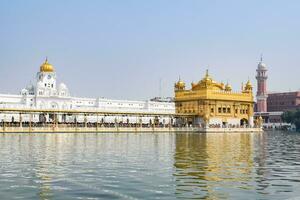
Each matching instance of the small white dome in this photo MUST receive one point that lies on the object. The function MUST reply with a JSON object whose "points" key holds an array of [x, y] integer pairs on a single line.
{"points": [[62, 86], [63, 90], [24, 91], [30, 87], [262, 65]]}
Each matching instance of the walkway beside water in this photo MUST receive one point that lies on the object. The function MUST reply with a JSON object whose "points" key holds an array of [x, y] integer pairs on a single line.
{"points": [[124, 130]]}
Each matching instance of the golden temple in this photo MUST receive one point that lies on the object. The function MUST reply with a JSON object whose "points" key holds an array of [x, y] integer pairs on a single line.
{"points": [[209, 103]]}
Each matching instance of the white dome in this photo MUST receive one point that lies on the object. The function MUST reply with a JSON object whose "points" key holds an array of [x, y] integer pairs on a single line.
{"points": [[262, 65], [24, 91], [62, 86], [63, 90], [30, 87]]}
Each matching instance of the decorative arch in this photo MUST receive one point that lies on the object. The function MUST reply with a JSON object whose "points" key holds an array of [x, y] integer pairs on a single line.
{"points": [[54, 105]]}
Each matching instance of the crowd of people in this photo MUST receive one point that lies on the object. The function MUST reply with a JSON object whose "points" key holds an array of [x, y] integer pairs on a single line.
{"points": [[82, 124], [100, 124]]}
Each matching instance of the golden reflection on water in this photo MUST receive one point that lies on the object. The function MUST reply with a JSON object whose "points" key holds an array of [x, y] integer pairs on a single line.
{"points": [[205, 162], [149, 166], [45, 188]]}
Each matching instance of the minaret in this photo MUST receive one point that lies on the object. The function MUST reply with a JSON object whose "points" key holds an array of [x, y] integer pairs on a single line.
{"points": [[261, 95]]}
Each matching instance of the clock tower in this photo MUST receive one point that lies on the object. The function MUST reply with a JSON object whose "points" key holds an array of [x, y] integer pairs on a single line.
{"points": [[46, 80]]}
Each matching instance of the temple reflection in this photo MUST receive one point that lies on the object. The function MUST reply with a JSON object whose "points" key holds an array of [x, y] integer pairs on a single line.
{"points": [[206, 162], [260, 158]]}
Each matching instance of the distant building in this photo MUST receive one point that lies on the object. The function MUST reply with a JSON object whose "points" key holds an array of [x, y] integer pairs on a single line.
{"points": [[270, 106], [273, 102], [270, 117], [212, 103], [283, 101]]}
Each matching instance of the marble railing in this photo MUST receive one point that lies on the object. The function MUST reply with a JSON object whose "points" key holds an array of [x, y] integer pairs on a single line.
{"points": [[124, 130]]}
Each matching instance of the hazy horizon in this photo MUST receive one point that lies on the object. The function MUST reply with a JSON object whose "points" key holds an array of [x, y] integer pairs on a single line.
{"points": [[122, 49]]}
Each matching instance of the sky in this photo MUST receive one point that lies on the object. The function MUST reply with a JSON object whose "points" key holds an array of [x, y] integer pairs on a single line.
{"points": [[127, 49]]}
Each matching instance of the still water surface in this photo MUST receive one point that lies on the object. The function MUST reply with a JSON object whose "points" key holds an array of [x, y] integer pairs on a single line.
{"points": [[150, 166]]}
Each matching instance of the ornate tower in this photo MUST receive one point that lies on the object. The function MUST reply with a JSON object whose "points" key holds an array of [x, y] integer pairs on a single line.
{"points": [[46, 80], [261, 95]]}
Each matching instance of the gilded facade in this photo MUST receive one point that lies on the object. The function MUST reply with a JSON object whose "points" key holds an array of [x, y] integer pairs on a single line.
{"points": [[215, 104]]}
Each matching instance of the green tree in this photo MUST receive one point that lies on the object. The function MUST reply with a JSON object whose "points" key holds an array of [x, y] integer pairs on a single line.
{"points": [[292, 117]]}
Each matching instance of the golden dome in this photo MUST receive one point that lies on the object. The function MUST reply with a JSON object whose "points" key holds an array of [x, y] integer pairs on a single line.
{"points": [[207, 80], [46, 67], [248, 85], [228, 87], [180, 85]]}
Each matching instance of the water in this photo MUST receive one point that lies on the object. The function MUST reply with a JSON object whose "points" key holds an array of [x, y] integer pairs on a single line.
{"points": [[150, 166]]}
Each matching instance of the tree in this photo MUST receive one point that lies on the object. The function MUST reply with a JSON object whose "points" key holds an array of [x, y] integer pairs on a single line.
{"points": [[292, 117], [287, 116]]}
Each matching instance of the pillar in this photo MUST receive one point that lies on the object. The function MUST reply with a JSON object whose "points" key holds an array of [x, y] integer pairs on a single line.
{"points": [[30, 125], [20, 119], [97, 122], [141, 122], [85, 121]]}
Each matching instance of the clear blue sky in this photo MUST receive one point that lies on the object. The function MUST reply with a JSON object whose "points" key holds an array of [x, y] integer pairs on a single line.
{"points": [[121, 49]]}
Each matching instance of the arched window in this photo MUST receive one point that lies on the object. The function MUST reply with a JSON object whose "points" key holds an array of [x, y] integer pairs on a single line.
{"points": [[219, 110], [54, 105], [224, 110]]}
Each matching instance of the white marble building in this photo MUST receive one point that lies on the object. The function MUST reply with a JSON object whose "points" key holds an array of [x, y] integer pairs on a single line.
{"points": [[46, 93]]}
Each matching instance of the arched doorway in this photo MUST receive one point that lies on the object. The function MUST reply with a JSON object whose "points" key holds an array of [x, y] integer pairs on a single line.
{"points": [[42, 118], [243, 122], [156, 120]]}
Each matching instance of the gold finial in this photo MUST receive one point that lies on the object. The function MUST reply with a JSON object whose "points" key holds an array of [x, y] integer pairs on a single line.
{"points": [[261, 57], [248, 81], [207, 72]]}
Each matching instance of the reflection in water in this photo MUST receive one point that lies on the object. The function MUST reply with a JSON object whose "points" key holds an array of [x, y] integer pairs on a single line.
{"points": [[207, 162], [277, 172], [149, 166], [86, 166], [236, 166]]}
